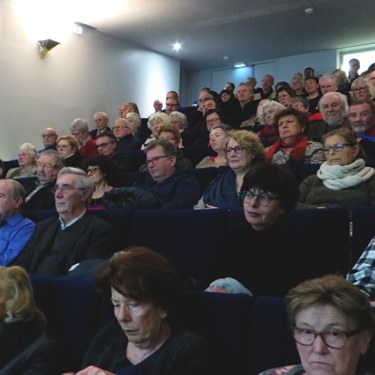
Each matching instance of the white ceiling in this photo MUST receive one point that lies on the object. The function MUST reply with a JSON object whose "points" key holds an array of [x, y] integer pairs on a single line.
{"points": [[244, 30]]}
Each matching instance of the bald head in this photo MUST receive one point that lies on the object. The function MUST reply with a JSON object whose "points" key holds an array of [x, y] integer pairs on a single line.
{"points": [[49, 137]]}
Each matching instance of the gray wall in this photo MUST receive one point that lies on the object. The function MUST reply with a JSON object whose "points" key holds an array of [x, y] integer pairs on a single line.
{"points": [[86, 74]]}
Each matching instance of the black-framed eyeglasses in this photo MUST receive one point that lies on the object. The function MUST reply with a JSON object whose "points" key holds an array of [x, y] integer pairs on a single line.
{"points": [[264, 199], [155, 160], [237, 150], [103, 145], [334, 339], [337, 147]]}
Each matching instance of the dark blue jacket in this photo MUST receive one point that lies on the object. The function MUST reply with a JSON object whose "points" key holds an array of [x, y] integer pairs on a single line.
{"points": [[128, 143], [181, 191]]}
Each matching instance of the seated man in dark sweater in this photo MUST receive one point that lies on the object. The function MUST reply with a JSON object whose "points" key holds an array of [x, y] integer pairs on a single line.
{"points": [[175, 189], [60, 245], [125, 139], [39, 195]]}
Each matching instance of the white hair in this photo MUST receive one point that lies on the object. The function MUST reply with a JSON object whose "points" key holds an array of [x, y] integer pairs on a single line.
{"points": [[343, 99], [79, 124], [181, 117], [275, 105], [31, 149], [163, 116]]}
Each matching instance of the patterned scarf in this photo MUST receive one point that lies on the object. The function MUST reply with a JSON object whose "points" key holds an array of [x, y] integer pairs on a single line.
{"points": [[298, 146]]}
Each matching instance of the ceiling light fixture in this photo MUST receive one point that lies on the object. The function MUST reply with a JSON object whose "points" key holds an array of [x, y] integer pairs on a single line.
{"points": [[240, 65], [309, 10], [177, 46]]}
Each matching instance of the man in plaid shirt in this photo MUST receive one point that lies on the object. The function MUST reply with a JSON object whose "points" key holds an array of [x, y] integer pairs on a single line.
{"points": [[363, 273]]}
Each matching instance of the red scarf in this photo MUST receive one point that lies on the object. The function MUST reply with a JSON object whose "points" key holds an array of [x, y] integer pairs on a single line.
{"points": [[298, 146], [270, 132]]}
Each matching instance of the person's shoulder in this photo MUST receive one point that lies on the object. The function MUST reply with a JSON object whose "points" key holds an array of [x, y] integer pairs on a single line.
{"points": [[96, 221], [285, 370]]}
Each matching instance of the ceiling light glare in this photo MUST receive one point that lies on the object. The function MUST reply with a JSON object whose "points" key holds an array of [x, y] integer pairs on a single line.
{"points": [[177, 46], [240, 65], [309, 10]]}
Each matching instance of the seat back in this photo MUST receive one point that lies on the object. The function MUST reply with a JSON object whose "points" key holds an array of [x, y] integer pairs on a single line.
{"points": [[186, 238], [72, 309]]}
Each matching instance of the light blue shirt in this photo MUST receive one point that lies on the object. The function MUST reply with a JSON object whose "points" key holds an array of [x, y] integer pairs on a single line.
{"points": [[14, 236]]}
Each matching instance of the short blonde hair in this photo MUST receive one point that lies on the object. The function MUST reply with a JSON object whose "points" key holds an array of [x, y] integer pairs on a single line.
{"points": [[249, 141], [15, 287], [71, 140]]}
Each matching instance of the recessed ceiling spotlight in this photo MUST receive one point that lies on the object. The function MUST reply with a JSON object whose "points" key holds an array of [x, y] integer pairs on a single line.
{"points": [[226, 58], [177, 46], [309, 10], [240, 65]]}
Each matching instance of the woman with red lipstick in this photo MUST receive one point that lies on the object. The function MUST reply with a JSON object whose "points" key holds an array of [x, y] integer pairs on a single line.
{"points": [[332, 323], [343, 180], [260, 254], [145, 289], [293, 145]]}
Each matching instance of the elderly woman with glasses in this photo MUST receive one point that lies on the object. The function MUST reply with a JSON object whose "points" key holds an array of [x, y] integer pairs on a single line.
{"points": [[363, 89], [27, 162], [249, 257], [343, 180], [332, 323], [243, 150], [68, 146]]}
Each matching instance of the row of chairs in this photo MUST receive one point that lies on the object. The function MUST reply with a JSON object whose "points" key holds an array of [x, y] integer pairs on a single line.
{"points": [[244, 335], [189, 238]]}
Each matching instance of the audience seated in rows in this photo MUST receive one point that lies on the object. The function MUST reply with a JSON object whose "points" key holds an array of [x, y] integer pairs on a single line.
{"points": [[27, 162], [343, 180], [39, 194], [244, 150], [59, 246], [15, 230]]}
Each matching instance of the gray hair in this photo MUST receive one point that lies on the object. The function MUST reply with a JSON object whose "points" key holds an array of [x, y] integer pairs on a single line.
{"points": [[334, 79], [18, 191], [31, 149], [245, 84], [79, 124], [136, 118], [163, 116], [275, 105], [58, 160], [343, 99], [83, 181], [182, 118], [102, 114]]}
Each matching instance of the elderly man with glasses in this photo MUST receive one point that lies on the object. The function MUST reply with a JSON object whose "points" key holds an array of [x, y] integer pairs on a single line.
{"points": [[76, 241], [38, 193], [49, 138], [125, 139]]}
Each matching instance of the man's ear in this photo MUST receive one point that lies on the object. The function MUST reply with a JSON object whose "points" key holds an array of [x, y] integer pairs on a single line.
{"points": [[173, 161], [85, 194], [18, 202]]}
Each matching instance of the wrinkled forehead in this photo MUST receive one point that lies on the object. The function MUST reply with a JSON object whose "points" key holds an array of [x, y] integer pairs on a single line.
{"points": [[67, 179]]}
